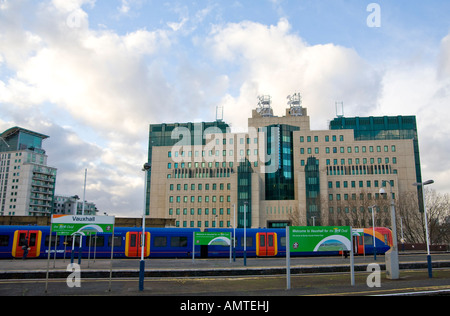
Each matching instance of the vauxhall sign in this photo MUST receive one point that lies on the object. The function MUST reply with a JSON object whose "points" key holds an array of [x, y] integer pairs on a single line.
{"points": [[84, 225]]}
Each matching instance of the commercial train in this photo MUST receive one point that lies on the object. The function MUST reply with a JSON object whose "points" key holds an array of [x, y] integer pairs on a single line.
{"points": [[168, 243]]}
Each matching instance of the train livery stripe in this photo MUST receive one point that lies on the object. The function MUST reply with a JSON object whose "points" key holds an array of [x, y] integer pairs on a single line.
{"points": [[147, 244], [38, 243], [378, 235], [15, 241], [127, 247]]}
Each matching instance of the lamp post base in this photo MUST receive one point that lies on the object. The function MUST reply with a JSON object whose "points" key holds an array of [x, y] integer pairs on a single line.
{"points": [[141, 275], [430, 267], [392, 267]]}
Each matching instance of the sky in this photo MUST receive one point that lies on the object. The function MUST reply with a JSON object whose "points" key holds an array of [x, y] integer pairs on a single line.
{"points": [[93, 74]]}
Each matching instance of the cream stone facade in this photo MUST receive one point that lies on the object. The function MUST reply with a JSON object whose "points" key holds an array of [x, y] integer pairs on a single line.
{"points": [[281, 172]]}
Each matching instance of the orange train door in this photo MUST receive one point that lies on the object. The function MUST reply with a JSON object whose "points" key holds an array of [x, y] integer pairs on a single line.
{"points": [[133, 244], [266, 245], [34, 243]]}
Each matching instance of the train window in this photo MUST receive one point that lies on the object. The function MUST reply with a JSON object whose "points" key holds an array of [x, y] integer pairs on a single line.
{"points": [[69, 240], [133, 240], [96, 241], [386, 239], [32, 240], [160, 241], [262, 240], [180, 241], [283, 241], [270, 241], [249, 242], [368, 240], [117, 241], [22, 237], [4, 240], [55, 241]]}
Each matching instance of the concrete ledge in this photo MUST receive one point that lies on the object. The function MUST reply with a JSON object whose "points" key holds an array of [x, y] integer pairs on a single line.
{"points": [[181, 273]]}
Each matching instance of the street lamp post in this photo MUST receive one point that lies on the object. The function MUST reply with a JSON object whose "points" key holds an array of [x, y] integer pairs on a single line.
{"points": [[146, 167], [245, 232], [234, 233], [391, 257], [373, 227], [430, 266]]}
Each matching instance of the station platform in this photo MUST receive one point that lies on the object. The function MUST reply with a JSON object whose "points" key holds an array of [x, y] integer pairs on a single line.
{"points": [[262, 277], [100, 268]]}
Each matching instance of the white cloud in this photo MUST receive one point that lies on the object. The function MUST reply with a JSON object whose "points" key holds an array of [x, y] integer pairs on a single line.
{"points": [[98, 77], [104, 82], [444, 58], [272, 60], [71, 5], [95, 92], [125, 7], [422, 88], [175, 26]]}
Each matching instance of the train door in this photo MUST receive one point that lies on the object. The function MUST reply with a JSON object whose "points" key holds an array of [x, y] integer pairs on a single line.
{"points": [[266, 245], [133, 244], [358, 244], [34, 243]]}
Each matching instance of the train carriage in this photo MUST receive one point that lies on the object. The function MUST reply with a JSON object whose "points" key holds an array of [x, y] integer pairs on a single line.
{"points": [[167, 243]]}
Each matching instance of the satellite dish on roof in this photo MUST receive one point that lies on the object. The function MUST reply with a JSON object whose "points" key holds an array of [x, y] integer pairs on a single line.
{"points": [[265, 105], [295, 104]]}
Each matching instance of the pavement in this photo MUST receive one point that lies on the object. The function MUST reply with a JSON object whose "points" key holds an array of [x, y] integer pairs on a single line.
{"points": [[220, 277]]}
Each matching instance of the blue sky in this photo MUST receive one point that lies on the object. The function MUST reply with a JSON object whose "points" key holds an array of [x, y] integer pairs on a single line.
{"points": [[93, 74]]}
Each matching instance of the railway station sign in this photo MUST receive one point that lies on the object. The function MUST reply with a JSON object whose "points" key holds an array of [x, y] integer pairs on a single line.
{"points": [[212, 238], [84, 225], [319, 238]]}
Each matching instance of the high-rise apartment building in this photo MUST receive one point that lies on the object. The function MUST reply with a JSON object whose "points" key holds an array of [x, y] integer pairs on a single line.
{"points": [[27, 184], [69, 205], [281, 172]]}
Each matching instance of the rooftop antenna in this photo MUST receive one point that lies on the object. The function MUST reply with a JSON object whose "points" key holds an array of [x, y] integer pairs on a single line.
{"points": [[295, 104], [219, 113], [341, 105], [265, 105]]}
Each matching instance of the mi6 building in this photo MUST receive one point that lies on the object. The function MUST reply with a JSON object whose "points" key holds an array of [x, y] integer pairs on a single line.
{"points": [[280, 172]]}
